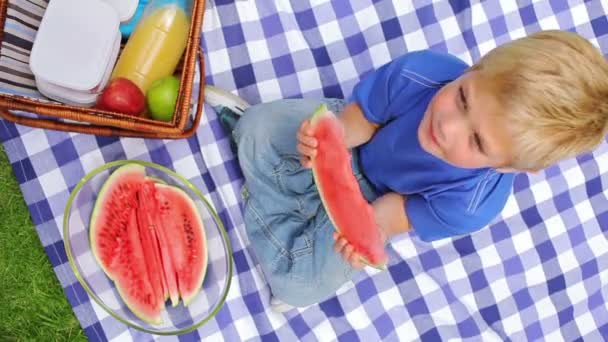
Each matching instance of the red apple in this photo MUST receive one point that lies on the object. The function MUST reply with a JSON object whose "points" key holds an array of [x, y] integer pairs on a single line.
{"points": [[123, 96]]}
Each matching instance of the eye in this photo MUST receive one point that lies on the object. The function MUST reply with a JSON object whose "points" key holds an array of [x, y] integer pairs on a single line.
{"points": [[477, 143], [463, 98]]}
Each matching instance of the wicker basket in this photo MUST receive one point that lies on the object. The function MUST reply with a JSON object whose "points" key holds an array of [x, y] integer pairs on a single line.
{"points": [[57, 116]]}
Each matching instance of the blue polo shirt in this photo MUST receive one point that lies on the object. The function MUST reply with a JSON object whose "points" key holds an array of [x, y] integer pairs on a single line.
{"points": [[441, 200]]}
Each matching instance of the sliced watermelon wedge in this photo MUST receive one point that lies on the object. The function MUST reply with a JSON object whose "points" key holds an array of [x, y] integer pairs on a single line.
{"points": [[148, 205], [134, 283], [148, 233], [182, 222], [108, 233], [346, 207]]}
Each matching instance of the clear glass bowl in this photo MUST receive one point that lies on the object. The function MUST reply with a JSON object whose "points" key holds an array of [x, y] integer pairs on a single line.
{"points": [[176, 320]]}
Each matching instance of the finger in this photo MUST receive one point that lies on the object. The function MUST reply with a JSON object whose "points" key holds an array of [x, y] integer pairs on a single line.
{"points": [[306, 150], [305, 127], [300, 148], [354, 258], [306, 162], [307, 140], [347, 252], [356, 262], [339, 245]]}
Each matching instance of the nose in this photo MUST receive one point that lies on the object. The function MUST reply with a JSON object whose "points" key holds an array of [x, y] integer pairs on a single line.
{"points": [[450, 130]]}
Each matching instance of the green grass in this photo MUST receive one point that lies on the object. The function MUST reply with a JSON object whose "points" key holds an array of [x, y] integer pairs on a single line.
{"points": [[32, 304]]}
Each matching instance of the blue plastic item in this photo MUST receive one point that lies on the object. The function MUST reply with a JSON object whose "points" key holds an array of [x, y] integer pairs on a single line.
{"points": [[127, 28]]}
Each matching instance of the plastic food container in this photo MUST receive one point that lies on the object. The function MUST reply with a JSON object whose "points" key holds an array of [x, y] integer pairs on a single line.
{"points": [[75, 97], [125, 8], [75, 50], [126, 28]]}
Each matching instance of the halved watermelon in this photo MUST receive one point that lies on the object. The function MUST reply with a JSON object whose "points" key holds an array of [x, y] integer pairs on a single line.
{"points": [[346, 207], [149, 239]]}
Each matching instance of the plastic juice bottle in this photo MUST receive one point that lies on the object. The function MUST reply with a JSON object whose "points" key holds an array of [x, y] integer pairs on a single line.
{"points": [[157, 43]]}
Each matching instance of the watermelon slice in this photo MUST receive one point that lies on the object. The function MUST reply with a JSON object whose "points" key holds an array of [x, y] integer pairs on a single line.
{"points": [[346, 207], [133, 283], [148, 233], [148, 205], [116, 243], [149, 239], [187, 245]]}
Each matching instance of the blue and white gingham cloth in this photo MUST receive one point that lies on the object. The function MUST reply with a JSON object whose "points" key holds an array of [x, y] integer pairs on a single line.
{"points": [[540, 271]]}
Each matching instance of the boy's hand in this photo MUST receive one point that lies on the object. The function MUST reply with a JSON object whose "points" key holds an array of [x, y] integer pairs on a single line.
{"points": [[307, 144], [348, 253]]}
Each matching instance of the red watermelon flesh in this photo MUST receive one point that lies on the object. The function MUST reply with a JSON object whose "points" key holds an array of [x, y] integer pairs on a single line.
{"points": [[182, 222], [134, 282], [149, 206], [156, 251], [346, 207], [108, 233], [149, 242]]}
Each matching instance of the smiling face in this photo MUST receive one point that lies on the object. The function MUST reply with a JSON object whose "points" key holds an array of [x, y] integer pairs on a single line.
{"points": [[462, 126]]}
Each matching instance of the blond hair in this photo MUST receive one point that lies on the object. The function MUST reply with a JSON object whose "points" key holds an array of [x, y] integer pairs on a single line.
{"points": [[553, 86]]}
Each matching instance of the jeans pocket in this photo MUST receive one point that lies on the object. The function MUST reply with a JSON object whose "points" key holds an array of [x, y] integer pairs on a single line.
{"points": [[291, 177], [274, 237]]}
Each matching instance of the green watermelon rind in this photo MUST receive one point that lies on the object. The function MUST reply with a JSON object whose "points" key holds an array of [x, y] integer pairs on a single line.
{"points": [[156, 180], [188, 298], [220, 226], [121, 292], [318, 114]]}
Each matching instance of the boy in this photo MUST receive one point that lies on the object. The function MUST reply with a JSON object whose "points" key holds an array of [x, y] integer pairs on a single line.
{"points": [[435, 146]]}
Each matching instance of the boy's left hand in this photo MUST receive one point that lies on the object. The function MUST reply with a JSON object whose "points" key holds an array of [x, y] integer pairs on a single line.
{"points": [[307, 144], [348, 252]]}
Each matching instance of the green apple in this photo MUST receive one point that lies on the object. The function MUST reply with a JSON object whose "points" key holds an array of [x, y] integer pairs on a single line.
{"points": [[161, 98]]}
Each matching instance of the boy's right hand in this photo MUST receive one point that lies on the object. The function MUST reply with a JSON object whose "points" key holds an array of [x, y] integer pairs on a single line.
{"points": [[347, 251], [307, 144]]}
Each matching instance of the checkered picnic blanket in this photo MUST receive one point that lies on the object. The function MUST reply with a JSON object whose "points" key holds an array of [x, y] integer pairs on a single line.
{"points": [[540, 271]]}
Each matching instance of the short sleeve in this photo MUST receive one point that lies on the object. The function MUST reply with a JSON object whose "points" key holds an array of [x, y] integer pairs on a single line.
{"points": [[404, 78], [375, 92], [448, 215]]}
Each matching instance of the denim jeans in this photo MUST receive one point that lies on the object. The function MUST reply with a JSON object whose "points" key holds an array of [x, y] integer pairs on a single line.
{"points": [[288, 228]]}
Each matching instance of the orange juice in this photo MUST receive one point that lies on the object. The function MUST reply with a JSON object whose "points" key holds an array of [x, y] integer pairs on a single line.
{"points": [[156, 45]]}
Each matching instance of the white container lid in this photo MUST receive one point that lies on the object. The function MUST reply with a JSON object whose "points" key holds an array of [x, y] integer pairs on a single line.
{"points": [[73, 97], [125, 8], [74, 43], [76, 97]]}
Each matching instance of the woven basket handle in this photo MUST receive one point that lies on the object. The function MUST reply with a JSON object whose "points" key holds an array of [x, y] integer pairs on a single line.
{"points": [[10, 104]]}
